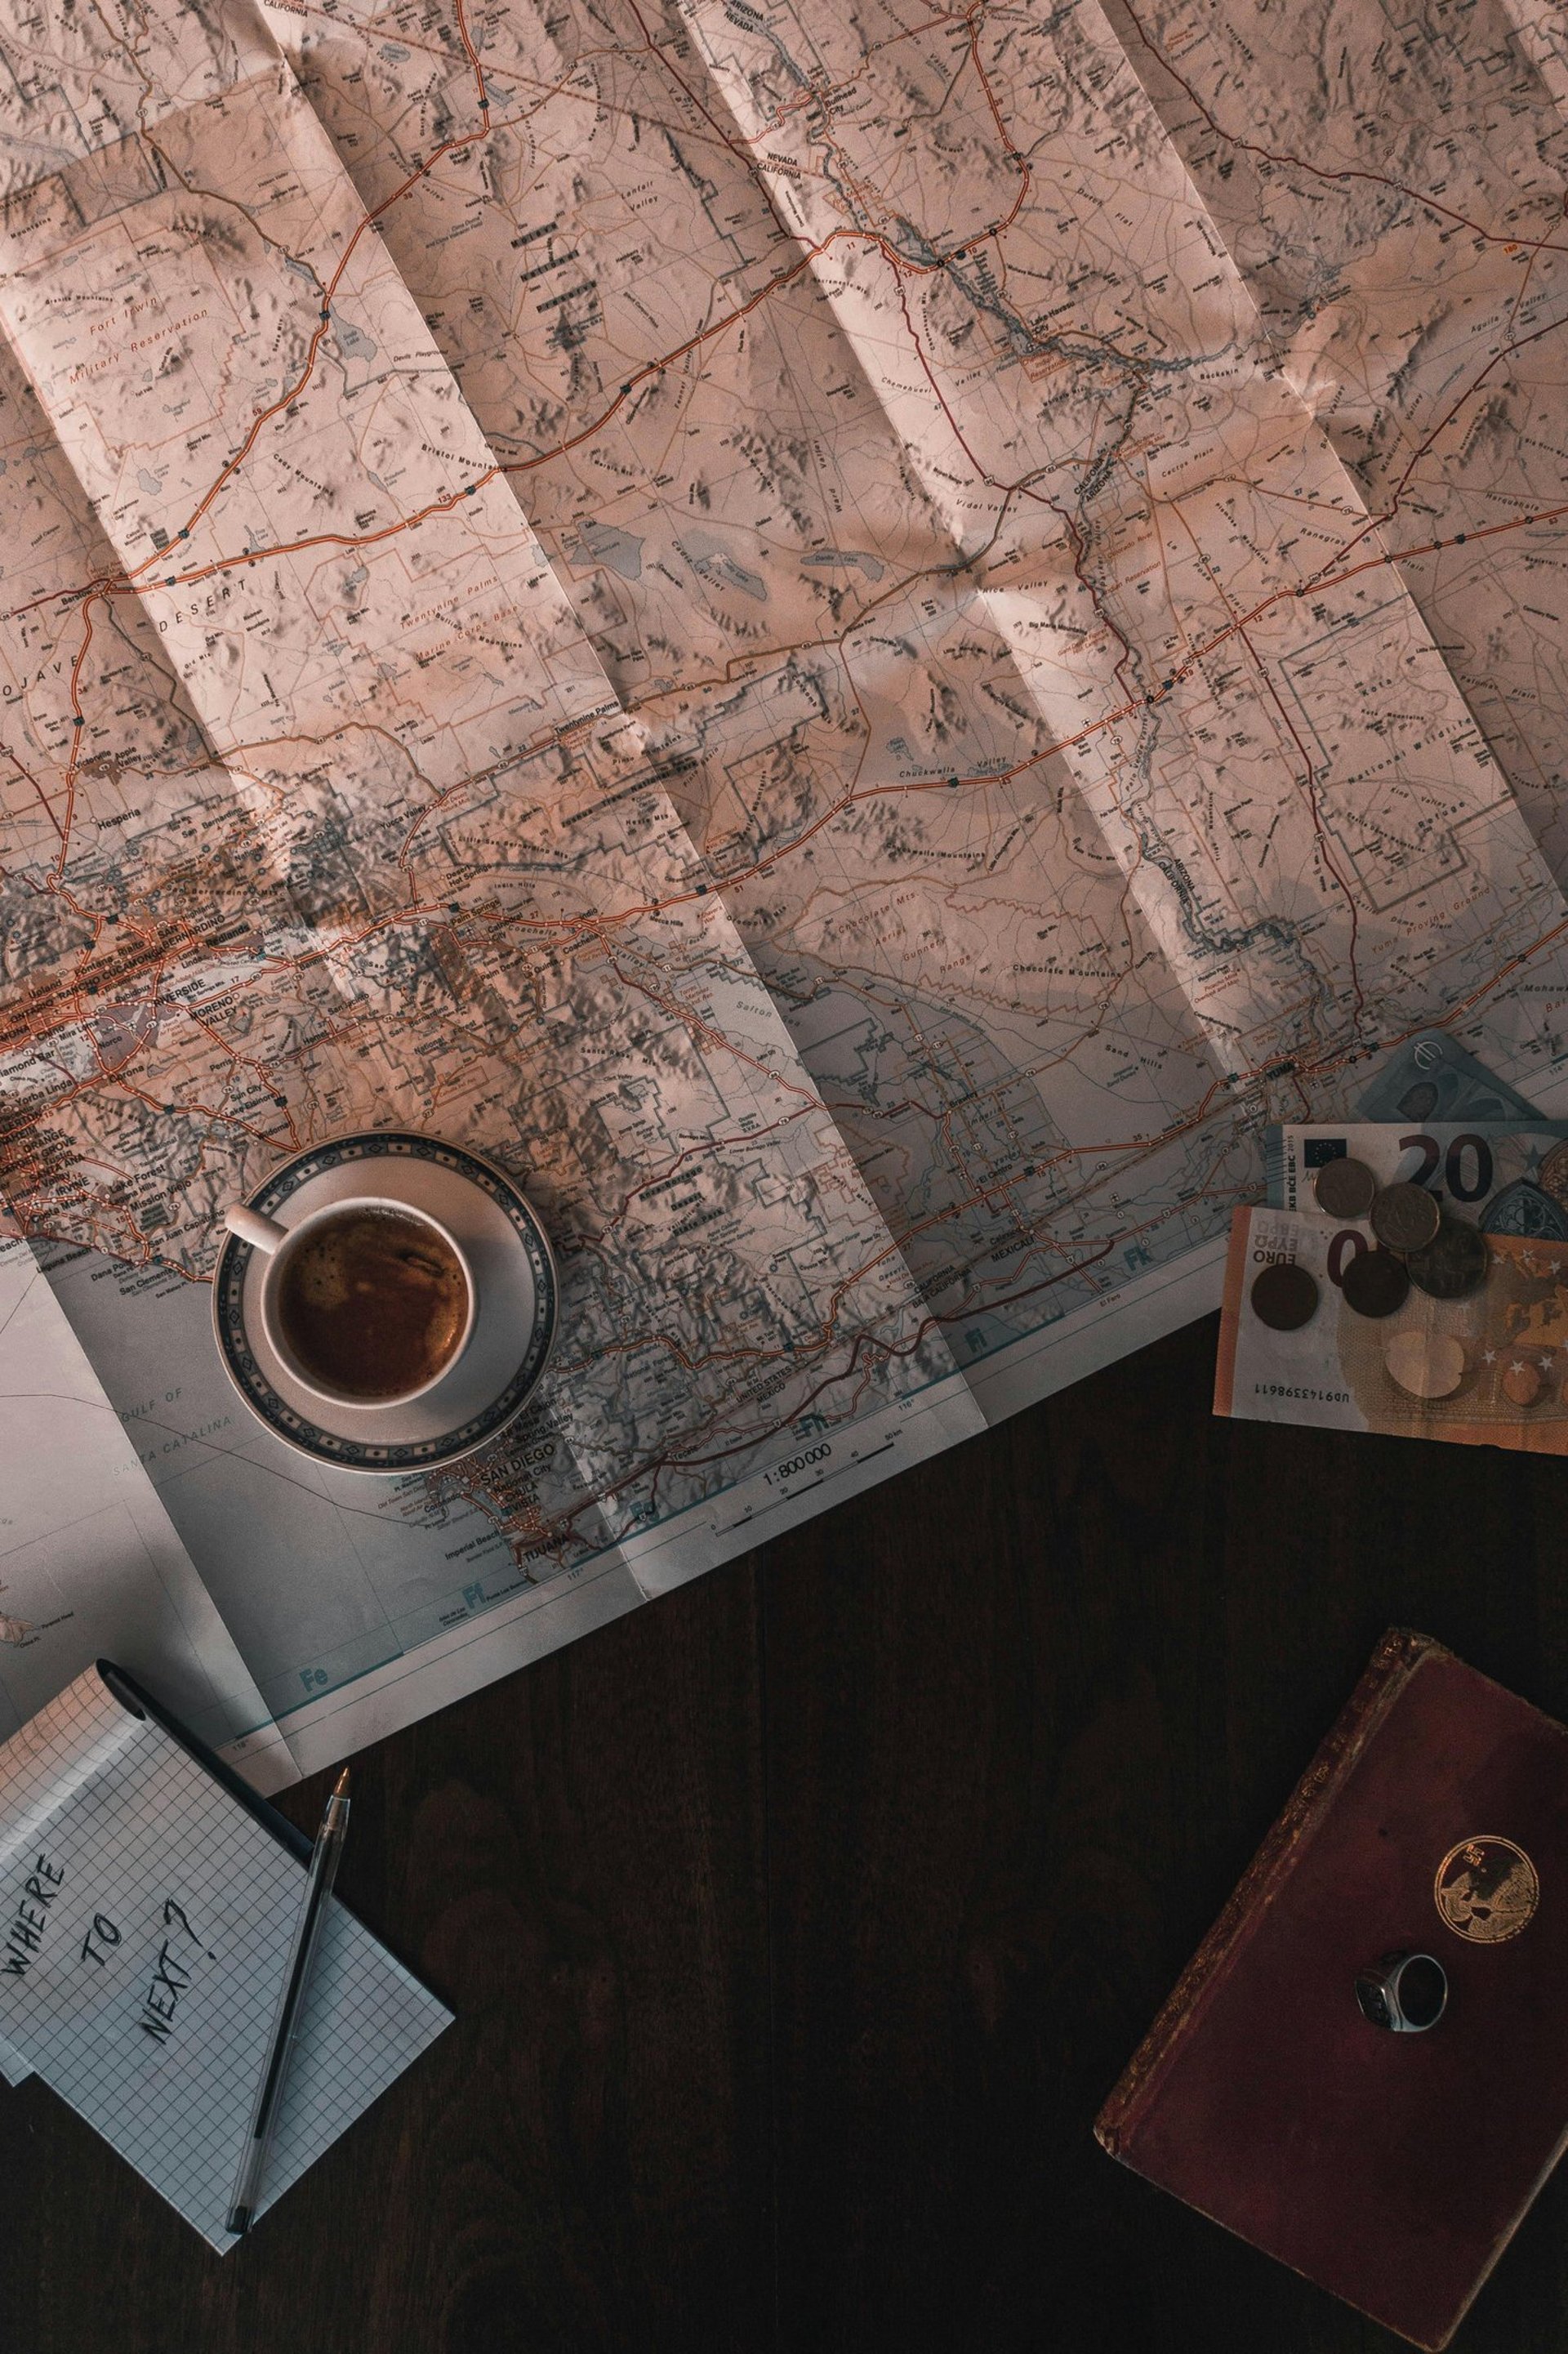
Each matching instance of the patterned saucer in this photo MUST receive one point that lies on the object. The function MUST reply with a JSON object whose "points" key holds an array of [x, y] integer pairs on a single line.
{"points": [[514, 1274]]}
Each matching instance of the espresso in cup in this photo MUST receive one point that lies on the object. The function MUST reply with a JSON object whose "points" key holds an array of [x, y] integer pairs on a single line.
{"points": [[372, 1303]]}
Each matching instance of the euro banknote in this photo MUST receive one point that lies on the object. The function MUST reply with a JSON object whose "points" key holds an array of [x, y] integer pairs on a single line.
{"points": [[1432, 1076], [1489, 1369], [1510, 1178]]}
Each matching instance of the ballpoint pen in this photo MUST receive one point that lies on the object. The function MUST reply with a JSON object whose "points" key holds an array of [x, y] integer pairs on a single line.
{"points": [[319, 1879]]}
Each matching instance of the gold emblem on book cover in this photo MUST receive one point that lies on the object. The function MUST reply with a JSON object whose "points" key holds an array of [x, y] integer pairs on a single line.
{"points": [[1486, 1889]]}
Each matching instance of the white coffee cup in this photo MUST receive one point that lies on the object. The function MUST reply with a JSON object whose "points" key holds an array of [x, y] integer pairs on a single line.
{"points": [[281, 1244]]}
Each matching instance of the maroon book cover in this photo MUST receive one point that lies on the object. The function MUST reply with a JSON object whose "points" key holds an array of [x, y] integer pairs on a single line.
{"points": [[1389, 2169]]}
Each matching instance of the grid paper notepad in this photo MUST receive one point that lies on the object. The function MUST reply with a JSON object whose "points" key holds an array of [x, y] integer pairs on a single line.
{"points": [[146, 1918]]}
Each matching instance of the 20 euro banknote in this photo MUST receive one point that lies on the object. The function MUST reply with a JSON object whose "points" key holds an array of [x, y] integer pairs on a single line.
{"points": [[1511, 1178], [1487, 1370]]}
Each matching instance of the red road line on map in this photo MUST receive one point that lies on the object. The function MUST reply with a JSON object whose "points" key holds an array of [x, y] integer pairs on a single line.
{"points": [[1318, 171], [426, 164], [1387, 513], [127, 582], [78, 725], [473, 60], [47, 806], [1319, 584]]}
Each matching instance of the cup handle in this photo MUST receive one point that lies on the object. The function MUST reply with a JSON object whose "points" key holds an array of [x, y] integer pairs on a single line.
{"points": [[262, 1233]]}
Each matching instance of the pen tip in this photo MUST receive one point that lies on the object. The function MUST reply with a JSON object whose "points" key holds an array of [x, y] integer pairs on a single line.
{"points": [[340, 1788]]}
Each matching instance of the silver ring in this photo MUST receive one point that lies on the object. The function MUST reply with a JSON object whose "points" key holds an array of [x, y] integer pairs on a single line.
{"points": [[1406, 1993]]}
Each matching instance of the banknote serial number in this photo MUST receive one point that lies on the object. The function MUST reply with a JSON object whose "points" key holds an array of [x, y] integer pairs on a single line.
{"points": [[798, 1463], [1288, 1390]]}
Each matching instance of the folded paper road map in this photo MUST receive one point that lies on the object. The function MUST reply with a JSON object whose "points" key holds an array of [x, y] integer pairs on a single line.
{"points": [[858, 641]]}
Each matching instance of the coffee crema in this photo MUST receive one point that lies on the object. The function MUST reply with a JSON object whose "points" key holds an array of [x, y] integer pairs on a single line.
{"points": [[373, 1303]]}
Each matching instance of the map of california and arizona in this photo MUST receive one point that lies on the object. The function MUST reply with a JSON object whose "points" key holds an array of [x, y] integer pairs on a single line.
{"points": [[856, 638]]}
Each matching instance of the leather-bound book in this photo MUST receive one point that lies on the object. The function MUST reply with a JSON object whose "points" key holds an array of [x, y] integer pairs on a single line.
{"points": [[1391, 2169]]}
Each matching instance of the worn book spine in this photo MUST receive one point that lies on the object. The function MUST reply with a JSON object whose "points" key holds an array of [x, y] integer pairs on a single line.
{"points": [[1398, 1657]]}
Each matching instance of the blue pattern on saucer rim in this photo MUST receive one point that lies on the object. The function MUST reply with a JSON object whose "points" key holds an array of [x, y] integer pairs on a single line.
{"points": [[376, 1159]]}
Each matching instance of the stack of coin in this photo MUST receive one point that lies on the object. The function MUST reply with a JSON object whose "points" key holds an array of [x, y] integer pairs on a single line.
{"points": [[1419, 1243]]}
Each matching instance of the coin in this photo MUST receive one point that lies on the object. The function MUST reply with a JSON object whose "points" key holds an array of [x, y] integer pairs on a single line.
{"points": [[1375, 1283], [1405, 1217], [1343, 1188], [1424, 1365], [1455, 1262], [1285, 1296], [1486, 1889]]}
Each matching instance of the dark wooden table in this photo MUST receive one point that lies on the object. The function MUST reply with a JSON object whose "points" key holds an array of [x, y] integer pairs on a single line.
{"points": [[797, 1926]]}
